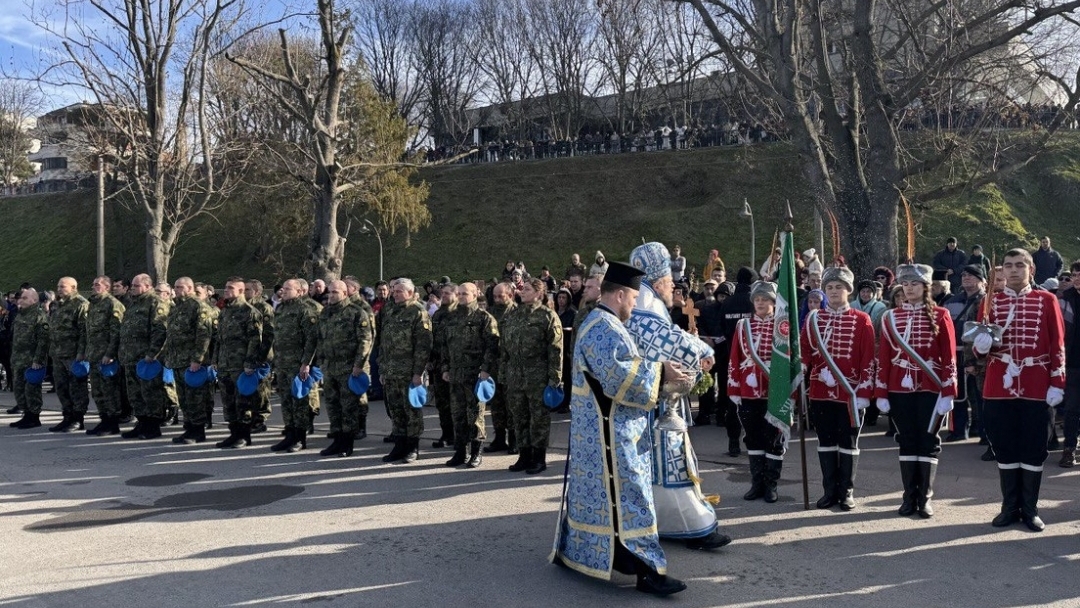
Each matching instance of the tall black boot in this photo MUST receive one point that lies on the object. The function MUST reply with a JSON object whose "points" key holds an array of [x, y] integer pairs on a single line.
{"points": [[412, 450], [311, 423], [1010, 498], [909, 476], [539, 461], [396, 454], [109, 425], [333, 448], [757, 478], [511, 442], [151, 429], [301, 440], [198, 434], [771, 476], [76, 423], [134, 432], [15, 410], [927, 473], [361, 429], [475, 458], [346, 446], [286, 442], [1030, 482], [524, 460], [63, 426], [28, 421], [849, 464], [499, 444], [182, 438], [830, 470], [458, 459], [232, 439]]}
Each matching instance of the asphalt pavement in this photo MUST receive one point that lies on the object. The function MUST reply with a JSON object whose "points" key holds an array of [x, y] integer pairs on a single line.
{"points": [[88, 521]]}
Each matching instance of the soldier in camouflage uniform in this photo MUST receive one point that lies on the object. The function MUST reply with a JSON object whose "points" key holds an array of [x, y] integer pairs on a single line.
{"points": [[239, 349], [67, 344], [203, 292], [345, 339], [404, 343], [29, 348], [120, 292], [440, 388], [296, 336], [254, 295], [590, 297], [142, 335], [103, 320], [530, 360], [383, 312], [503, 294], [187, 347], [352, 290], [470, 342]]}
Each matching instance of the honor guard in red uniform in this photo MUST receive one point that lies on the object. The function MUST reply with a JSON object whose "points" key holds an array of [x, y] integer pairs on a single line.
{"points": [[916, 382], [748, 388], [838, 355], [1025, 377]]}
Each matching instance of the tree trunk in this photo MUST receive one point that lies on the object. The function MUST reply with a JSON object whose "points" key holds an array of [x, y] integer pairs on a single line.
{"points": [[325, 257]]}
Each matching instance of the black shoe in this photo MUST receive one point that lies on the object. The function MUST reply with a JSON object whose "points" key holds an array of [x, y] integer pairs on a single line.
{"points": [[523, 462], [396, 454], [988, 455], [1006, 518], [108, 426], [458, 459], [134, 432], [659, 585], [512, 450], [258, 427], [1011, 496], [714, 540], [1030, 482], [287, 442], [772, 477], [333, 448], [301, 441], [346, 447], [126, 418], [475, 457], [28, 421], [539, 461], [151, 430], [15, 410], [499, 445], [76, 424], [63, 427], [233, 439], [412, 451], [733, 449], [442, 442]]}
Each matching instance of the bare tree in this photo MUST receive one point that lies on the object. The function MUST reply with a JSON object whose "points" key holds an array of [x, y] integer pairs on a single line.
{"points": [[844, 77], [500, 53], [628, 48], [353, 145], [20, 103], [387, 46], [144, 62]]}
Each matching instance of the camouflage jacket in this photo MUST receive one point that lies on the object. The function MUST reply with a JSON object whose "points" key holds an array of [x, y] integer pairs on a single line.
{"points": [[586, 308], [30, 337], [239, 343], [470, 343], [296, 333], [439, 322], [346, 333], [499, 311], [143, 329], [266, 352], [67, 328], [405, 341], [190, 327], [103, 318], [530, 347]]}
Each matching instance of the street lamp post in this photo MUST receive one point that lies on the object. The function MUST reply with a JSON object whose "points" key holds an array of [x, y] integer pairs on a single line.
{"points": [[748, 212], [370, 228]]}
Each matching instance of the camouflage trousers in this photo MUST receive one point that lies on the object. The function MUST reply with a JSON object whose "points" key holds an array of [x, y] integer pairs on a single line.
{"points": [[235, 407], [296, 412], [532, 421], [73, 392], [192, 400], [208, 399], [344, 408], [262, 400], [407, 419], [148, 398], [500, 413], [468, 415], [106, 392], [27, 396], [442, 400]]}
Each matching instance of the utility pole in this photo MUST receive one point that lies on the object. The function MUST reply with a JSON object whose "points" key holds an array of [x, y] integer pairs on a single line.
{"points": [[101, 216]]}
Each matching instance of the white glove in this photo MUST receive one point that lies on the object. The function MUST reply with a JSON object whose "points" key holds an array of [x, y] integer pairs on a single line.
{"points": [[826, 376], [883, 405], [1054, 396], [736, 400], [944, 405], [862, 403], [982, 343]]}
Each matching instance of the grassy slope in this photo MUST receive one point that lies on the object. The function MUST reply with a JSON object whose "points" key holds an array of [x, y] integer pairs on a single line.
{"points": [[540, 212]]}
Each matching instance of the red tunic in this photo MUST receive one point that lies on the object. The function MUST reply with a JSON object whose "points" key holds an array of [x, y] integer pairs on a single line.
{"points": [[898, 371], [1031, 358], [848, 337], [746, 378]]}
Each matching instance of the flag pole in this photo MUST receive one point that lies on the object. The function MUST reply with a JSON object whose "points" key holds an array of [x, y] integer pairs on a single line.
{"points": [[789, 227]]}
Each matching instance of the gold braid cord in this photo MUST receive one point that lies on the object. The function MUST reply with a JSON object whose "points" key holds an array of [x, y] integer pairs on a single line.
{"points": [[910, 230]]}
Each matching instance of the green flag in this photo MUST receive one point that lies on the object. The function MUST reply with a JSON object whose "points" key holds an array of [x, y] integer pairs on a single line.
{"points": [[785, 368]]}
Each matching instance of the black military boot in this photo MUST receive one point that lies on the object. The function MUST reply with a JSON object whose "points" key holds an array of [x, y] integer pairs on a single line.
{"points": [[442, 442], [757, 478], [909, 476], [346, 448], [499, 445], [76, 423], [63, 426], [475, 457], [398, 452], [511, 442], [524, 461], [198, 434], [849, 464], [458, 458], [539, 461], [233, 438], [15, 410], [286, 442], [245, 434], [1030, 483], [182, 438], [772, 477], [391, 438], [927, 473], [311, 423], [361, 429], [830, 470], [135, 431], [412, 450], [733, 448], [333, 448], [152, 428], [172, 416], [107, 426], [301, 441], [28, 421], [1010, 498]]}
